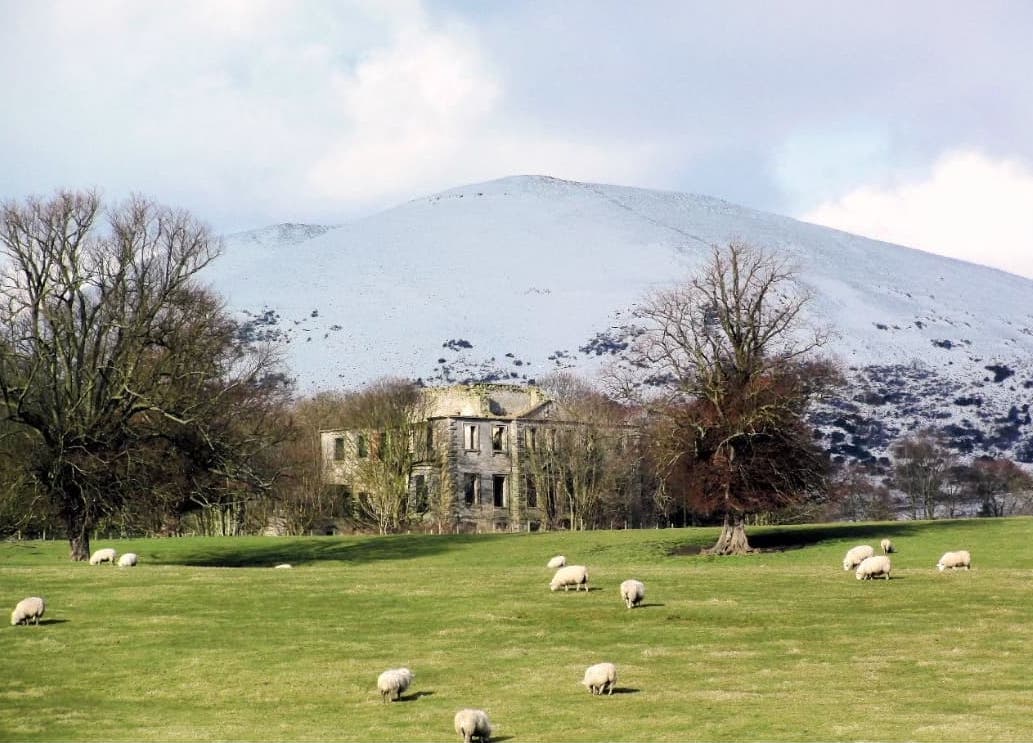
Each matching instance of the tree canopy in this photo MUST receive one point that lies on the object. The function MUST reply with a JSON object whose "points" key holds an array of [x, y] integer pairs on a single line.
{"points": [[733, 358], [119, 364]]}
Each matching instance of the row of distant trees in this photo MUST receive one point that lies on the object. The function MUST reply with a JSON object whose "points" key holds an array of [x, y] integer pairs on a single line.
{"points": [[132, 402]]}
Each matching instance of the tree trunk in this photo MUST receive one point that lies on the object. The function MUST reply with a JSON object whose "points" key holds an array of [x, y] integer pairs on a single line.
{"points": [[78, 536], [732, 540]]}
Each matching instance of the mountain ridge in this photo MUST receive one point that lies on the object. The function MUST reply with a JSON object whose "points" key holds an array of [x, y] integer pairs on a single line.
{"points": [[512, 278]]}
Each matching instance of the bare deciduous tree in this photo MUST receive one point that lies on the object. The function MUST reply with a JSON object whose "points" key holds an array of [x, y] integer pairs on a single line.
{"points": [[588, 461], [384, 418], [110, 350], [731, 352]]}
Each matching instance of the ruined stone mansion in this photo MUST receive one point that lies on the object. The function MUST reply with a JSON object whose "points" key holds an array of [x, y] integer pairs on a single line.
{"points": [[476, 443]]}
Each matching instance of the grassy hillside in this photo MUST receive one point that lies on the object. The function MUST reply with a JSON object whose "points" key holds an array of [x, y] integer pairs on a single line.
{"points": [[205, 641]]}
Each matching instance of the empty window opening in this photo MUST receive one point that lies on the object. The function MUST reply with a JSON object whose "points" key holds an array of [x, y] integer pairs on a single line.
{"points": [[471, 489], [498, 490], [338, 448], [531, 492], [498, 438], [472, 437]]}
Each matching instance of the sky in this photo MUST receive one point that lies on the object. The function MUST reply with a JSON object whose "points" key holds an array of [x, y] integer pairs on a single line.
{"points": [[908, 122]]}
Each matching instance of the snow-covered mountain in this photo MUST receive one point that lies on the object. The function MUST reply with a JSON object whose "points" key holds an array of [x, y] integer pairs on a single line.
{"points": [[516, 277]]}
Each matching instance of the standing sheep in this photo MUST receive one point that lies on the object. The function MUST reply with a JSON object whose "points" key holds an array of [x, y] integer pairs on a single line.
{"points": [[873, 567], [473, 723], [393, 682], [570, 575], [632, 592], [855, 555], [557, 562], [30, 609], [105, 555], [955, 560], [128, 560], [887, 546], [600, 677]]}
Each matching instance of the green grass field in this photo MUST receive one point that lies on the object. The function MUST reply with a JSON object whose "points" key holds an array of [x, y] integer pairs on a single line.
{"points": [[205, 641]]}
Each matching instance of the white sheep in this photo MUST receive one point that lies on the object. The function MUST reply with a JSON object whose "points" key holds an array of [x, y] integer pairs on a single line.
{"points": [[600, 677], [570, 575], [855, 555], [393, 682], [557, 562], [887, 546], [955, 560], [105, 555], [30, 609], [873, 567], [473, 723], [128, 560], [632, 592]]}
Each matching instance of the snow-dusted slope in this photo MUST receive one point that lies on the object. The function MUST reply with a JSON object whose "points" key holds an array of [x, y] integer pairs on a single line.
{"points": [[526, 270]]}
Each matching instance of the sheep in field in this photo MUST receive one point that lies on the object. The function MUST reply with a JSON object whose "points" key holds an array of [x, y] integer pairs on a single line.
{"points": [[955, 560], [557, 562], [570, 575], [128, 560], [855, 555], [873, 567], [104, 555], [632, 592], [887, 546], [393, 682], [473, 724], [28, 610], [601, 677]]}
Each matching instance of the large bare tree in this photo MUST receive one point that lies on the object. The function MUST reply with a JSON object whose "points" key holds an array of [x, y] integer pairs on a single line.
{"points": [[385, 419], [116, 360], [732, 354]]}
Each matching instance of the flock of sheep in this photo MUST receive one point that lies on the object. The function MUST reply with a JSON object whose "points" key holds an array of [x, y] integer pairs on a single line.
{"points": [[31, 609], [474, 724], [867, 565], [601, 678]]}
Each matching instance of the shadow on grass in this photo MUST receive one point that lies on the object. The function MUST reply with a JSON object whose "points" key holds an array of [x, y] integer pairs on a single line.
{"points": [[780, 539], [301, 550], [625, 690], [497, 738], [414, 696], [649, 606]]}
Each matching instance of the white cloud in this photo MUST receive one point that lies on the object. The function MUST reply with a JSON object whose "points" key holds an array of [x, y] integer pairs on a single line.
{"points": [[970, 207]]}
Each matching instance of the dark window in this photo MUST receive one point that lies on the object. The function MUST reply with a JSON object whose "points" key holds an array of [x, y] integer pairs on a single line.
{"points": [[472, 437], [498, 490], [360, 446], [530, 492], [339, 448], [471, 489], [498, 438], [530, 438]]}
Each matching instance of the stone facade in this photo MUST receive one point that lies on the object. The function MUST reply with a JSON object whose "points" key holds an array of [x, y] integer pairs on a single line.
{"points": [[475, 443]]}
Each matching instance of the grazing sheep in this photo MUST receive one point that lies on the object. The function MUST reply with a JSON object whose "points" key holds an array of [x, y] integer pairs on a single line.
{"points": [[393, 682], [473, 723], [30, 609], [570, 575], [632, 592], [557, 562], [283, 566], [105, 555], [600, 677], [128, 560], [873, 567], [855, 555], [955, 560], [887, 546]]}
